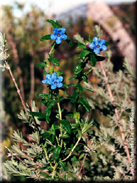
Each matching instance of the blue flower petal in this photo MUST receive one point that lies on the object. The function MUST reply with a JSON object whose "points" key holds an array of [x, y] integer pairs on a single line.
{"points": [[104, 48], [55, 30], [60, 78], [59, 85], [64, 36], [54, 76], [58, 40], [95, 40], [44, 81], [102, 41], [48, 76], [53, 87], [97, 50], [91, 45], [62, 30], [53, 36]]}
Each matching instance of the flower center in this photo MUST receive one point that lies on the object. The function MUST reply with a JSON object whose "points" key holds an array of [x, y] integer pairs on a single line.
{"points": [[58, 35], [55, 82], [98, 46]]}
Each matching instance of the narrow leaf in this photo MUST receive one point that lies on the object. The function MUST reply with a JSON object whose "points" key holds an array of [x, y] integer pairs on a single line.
{"points": [[85, 79], [46, 37], [80, 45], [54, 24], [79, 87], [84, 53], [85, 103], [41, 64], [78, 69], [74, 96], [54, 61], [37, 114], [66, 125]]}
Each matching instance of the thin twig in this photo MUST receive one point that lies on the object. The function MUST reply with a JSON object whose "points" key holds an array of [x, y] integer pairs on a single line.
{"points": [[82, 165], [118, 123], [18, 91]]}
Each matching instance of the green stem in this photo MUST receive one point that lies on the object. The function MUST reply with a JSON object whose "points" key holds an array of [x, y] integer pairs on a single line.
{"points": [[47, 157], [72, 149], [60, 116], [50, 53], [53, 173]]}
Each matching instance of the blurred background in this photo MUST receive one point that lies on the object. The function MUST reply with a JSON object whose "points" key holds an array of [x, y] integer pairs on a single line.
{"points": [[24, 23]]}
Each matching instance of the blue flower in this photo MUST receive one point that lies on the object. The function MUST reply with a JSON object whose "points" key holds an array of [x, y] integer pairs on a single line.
{"points": [[98, 45], [53, 80], [58, 35]]}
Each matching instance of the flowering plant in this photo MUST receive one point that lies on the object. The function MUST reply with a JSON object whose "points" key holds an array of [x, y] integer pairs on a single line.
{"points": [[56, 154]]}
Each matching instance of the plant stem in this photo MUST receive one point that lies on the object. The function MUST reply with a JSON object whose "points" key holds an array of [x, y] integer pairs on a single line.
{"points": [[18, 91], [53, 173], [72, 149], [60, 116], [82, 165]]}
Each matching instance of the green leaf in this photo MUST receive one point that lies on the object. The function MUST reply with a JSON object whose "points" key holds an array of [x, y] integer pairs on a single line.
{"points": [[85, 103], [66, 125], [56, 153], [82, 155], [59, 73], [46, 37], [40, 155], [72, 84], [78, 69], [41, 64], [88, 90], [88, 130], [74, 97], [80, 45], [73, 78], [54, 61], [79, 87], [45, 134], [42, 95], [44, 72], [54, 24], [93, 59], [66, 136], [58, 25], [49, 105], [85, 79], [74, 158], [63, 164], [48, 113], [68, 40], [107, 43], [89, 38], [38, 114], [84, 53]]}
